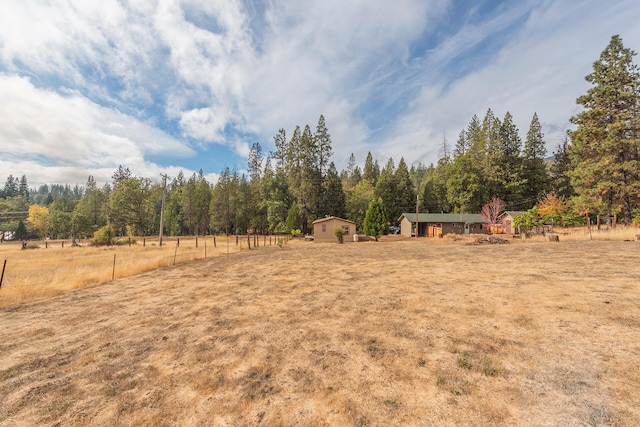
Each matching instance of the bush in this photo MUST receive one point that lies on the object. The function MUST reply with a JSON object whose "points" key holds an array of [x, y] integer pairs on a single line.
{"points": [[103, 236], [339, 232], [296, 232]]}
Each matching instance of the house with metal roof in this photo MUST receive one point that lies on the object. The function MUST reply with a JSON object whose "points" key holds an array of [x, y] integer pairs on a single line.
{"points": [[437, 225]]}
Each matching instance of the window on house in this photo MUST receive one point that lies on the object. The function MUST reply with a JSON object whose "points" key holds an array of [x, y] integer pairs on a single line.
{"points": [[324, 228], [346, 229]]}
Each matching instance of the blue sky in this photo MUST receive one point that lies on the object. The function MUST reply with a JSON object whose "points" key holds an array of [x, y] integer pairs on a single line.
{"points": [[168, 85]]}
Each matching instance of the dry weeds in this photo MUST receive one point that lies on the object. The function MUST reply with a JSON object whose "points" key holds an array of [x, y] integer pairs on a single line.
{"points": [[427, 332]]}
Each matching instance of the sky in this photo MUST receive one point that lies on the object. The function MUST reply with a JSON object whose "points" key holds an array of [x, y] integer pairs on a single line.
{"points": [[162, 86]]}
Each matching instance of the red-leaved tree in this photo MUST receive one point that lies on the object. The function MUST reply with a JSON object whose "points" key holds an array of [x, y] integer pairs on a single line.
{"points": [[491, 211]]}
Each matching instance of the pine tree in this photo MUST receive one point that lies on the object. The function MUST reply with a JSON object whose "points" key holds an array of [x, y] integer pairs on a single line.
{"points": [[23, 187], [371, 171], [334, 203], [511, 183], [405, 191], [254, 162], [535, 171], [560, 180], [322, 145], [491, 158], [280, 153], [11, 187], [387, 190], [375, 221], [606, 143]]}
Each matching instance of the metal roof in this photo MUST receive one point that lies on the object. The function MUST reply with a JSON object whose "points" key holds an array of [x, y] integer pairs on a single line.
{"points": [[329, 218], [442, 217]]}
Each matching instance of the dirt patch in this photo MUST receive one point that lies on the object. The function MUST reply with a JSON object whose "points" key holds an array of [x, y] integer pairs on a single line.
{"points": [[490, 240]]}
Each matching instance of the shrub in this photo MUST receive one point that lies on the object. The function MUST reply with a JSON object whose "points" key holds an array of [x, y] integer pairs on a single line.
{"points": [[103, 236], [296, 232], [339, 232]]}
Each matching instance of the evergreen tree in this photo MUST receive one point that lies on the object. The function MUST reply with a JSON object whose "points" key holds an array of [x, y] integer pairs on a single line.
{"points": [[203, 201], [560, 180], [375, 221], [352, 175], [535, 171], [21, 232], [466, 192], [121, 174], [23, 187], [222, 211], [405, 191], [358, 199], [511, 183], [11, 187], [322, 146], [92, 206], [387, 189], [606, 143], [371, 170], [434, 195], [280, 153], [462, 144], [254, 163], [334, 198]]}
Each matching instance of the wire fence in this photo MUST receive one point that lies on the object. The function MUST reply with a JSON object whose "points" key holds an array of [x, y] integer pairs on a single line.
{"points": [[42, 268]]}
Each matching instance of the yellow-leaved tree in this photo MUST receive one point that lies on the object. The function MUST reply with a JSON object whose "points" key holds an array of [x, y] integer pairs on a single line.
{"points": [[38, 216]]}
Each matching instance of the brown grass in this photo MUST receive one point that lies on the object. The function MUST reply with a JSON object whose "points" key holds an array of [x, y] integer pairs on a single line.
{"points": [[427, 332], [46, 269]]}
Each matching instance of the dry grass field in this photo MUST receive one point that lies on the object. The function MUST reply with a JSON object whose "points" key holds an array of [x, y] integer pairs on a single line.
{"points": [[427, 332], [49, 268]]}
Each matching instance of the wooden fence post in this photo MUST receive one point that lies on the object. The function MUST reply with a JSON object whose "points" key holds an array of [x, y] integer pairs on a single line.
{"points": [[2, 276], [248, 241], [113, 272], [196, 242], [176, 252], [214, 241]]}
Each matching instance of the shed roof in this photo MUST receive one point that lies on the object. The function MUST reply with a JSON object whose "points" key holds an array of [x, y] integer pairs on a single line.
{"points": [[330, 218], [513, 213], [435, 217]]}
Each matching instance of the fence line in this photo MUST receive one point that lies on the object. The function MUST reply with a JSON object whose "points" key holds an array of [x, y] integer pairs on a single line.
{"points": [[80, 269]]}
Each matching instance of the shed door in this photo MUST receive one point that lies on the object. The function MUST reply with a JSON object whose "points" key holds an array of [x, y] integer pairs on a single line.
{"points": [[466, 229]]}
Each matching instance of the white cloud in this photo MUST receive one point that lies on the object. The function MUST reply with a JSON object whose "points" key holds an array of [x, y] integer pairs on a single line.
{"points": [[71, 136], [541, 69]]}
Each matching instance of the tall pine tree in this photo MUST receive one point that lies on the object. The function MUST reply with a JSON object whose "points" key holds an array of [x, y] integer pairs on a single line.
{"points": [[535, 171], [606, 143]]}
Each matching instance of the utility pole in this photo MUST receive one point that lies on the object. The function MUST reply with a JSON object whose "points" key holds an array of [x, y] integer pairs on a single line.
{"points": [[417, 205], [164, 197]]}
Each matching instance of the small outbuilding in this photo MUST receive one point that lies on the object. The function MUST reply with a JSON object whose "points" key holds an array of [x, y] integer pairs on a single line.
{"points": [[506, 219], [437, 225], [323, 229]]}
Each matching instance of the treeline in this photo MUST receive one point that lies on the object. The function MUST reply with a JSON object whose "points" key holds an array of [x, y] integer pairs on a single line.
{"points": [[294, 185]]}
